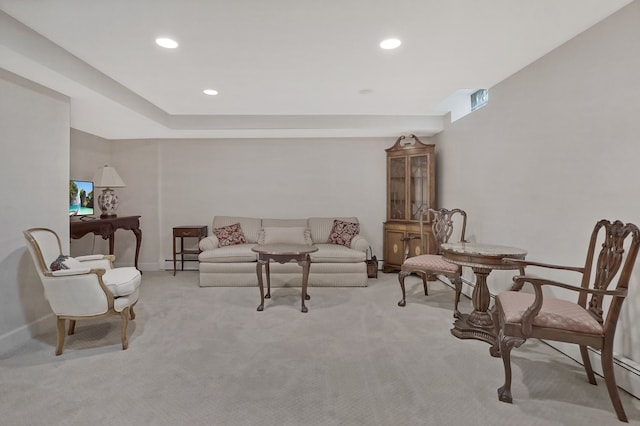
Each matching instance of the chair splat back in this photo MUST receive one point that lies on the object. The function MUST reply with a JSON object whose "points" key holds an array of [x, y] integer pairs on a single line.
{"points": [[609, 263], [442, 224]]}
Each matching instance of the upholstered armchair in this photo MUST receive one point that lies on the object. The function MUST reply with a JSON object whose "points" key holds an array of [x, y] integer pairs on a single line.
{"points": [[85, 287], [588, 319], [426, 265]]}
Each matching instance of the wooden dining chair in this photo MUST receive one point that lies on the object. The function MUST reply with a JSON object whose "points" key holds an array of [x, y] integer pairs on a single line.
{"points": [[587, 320], [443, 223]]}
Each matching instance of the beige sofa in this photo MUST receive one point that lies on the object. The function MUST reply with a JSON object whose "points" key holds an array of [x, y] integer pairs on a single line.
{"points": [[235, 265]]}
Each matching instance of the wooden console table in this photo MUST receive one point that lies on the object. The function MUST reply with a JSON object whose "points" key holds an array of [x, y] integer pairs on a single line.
{"points": [[106, 228]]}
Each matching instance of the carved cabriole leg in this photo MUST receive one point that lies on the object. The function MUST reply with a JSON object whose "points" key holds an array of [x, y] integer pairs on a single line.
{"points": [[506, 344], [268, 272], [132, 314], [305, 281], [457, 282], [424, 276], [125, 321], [587, 364], [401, 277], [260, 285], [60, 340], [610, 380], [72, 327], [494, 350]]}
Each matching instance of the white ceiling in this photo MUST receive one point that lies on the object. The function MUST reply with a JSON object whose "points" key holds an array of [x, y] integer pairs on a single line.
{"points": [[283, 68]]}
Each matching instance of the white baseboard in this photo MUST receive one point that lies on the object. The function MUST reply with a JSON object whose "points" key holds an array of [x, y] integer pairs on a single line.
{"points": [[25, 333], [626, 370]]}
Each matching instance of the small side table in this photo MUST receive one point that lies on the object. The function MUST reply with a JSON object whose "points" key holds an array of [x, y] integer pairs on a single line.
{"points": [[182, 232]]}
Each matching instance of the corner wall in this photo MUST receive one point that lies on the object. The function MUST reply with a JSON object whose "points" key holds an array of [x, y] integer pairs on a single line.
{"points": [[35, 162]]}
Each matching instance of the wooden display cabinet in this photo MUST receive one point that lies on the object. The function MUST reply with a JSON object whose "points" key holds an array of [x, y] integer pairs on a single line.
{"points": [[411, 187]]}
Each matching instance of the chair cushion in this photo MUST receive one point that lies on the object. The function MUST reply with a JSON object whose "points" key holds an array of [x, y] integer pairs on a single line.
{"points": [[122, 281], [431, 262], [555, 313]]}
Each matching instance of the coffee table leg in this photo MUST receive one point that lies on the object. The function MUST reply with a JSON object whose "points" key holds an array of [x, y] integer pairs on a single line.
{"points": [[260, 285], [268, 295], [305, 280]]}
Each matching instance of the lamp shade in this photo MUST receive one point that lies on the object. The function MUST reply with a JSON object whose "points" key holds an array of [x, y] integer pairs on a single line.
{"points": [[107, 177]]}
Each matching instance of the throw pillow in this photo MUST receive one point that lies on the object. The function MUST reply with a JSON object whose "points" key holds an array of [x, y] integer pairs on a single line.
{"points": [[64, 262], [343, 232], [230, 235], [285, 235]]}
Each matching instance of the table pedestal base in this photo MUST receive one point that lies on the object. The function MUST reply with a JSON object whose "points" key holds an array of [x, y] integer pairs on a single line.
{"points": [[464, 329]]}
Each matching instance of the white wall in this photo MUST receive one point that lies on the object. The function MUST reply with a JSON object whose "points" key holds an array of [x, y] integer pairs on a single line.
{"points": [[35, 169], [193, 180], [555, 150]]}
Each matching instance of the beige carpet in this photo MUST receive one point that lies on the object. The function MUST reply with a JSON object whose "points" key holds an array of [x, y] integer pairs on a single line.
{"points": [[205, 356]]}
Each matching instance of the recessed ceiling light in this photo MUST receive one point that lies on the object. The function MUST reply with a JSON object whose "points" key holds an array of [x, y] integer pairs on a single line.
{"points": [[390, 43], [210, 92], [365, 91], [166, 43]]}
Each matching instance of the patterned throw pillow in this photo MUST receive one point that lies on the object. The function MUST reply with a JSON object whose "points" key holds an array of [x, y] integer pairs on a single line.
{"points": [[64, 262], [343, 232], [230, 235]]}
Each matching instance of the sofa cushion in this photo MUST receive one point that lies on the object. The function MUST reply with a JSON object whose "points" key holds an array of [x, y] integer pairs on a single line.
{"points": [[335, 253], [285, 235], [321, 227], [281, 223], [122, 281], [343, 232], [230, 254], [230, 235], [250, 225]]}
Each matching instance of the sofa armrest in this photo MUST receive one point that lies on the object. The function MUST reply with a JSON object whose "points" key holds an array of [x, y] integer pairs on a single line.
{"points": [[359, 243], [209, 243]]}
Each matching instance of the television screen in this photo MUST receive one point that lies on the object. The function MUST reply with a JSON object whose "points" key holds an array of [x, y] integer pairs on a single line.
{"points": [[80, 198]]}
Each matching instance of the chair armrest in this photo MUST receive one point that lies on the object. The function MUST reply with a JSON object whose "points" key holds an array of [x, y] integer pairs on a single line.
{"points": [[522, 264], [407, 246], [95, 257], [359, 243], [538, 282], [209, 243], [68, 272]]}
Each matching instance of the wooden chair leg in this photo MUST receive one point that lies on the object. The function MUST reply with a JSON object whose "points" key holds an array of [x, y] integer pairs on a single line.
{"points": [[72, 327], [506, 344], [132, 314], [401, 277], [610, 380], [587, 364], [60, 341], [125, 321], [424, 277]]}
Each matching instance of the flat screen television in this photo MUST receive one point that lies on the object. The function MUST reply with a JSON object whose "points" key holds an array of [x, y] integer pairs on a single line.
{"points": [[80, 198]]}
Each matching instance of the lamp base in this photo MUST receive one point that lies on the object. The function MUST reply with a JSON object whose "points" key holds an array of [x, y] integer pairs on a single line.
{"points": [[108, 203]]}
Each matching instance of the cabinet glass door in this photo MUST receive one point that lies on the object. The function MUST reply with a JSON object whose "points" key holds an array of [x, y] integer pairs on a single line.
{"points": [[418, 185], [397, 188]]}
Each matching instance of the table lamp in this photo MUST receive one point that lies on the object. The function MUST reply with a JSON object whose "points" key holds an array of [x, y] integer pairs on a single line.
{"points": [[106, 177]]}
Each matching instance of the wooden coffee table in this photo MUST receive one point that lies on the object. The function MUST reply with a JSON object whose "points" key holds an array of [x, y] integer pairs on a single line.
{"points": [[283, 253]]}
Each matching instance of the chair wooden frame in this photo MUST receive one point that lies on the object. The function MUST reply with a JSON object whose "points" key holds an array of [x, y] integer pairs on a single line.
{"points": [[610, 259], [442, 226], [93, 277]]}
